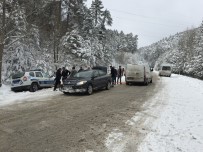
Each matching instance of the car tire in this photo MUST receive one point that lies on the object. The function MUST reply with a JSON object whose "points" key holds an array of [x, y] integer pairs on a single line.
{"points": [[89, 89], [151, 81], [108, 85], [127, 83], [34, 87]]}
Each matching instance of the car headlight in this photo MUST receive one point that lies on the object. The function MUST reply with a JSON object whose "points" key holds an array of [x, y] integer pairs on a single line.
{"points": [[81, 82]]}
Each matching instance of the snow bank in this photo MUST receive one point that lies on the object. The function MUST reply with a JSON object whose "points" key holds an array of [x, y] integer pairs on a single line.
{"points": [[9, 97]]}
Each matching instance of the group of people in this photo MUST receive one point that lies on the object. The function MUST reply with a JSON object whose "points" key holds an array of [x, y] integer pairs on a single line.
{"points": [[116, 73], [63, 73]]}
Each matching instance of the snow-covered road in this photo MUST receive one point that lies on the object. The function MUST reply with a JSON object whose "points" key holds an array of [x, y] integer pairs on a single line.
{"points": [[173, 120], [180, 125]]}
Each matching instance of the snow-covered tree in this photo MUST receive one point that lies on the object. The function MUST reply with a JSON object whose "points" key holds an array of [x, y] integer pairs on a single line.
{"points": [[97, 12]]}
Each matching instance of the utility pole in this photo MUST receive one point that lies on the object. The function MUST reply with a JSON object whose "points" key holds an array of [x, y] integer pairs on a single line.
{"points": [[2, 32]]}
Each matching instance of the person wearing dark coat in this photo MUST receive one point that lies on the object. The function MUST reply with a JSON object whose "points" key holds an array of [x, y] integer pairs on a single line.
{"points": [[120, 74], [81, 69], [73, 72], [57, 79], [65, 73], [113, 75]]}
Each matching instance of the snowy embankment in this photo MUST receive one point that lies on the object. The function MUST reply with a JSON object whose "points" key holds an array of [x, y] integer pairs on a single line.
{"points": [[8, 97], [170, 122]]}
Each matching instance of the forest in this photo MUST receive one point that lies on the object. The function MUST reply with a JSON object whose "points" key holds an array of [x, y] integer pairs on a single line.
{"points": [[47, 34]]}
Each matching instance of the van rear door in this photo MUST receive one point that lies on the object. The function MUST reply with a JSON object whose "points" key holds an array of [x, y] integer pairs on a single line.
{"points": [[135, 72]]}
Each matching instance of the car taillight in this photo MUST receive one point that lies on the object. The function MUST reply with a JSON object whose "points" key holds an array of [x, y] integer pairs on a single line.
{"points": [[24, 78]]}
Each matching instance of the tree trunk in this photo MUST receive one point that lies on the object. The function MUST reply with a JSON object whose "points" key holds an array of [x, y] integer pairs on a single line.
{"points": [[2, 41]]}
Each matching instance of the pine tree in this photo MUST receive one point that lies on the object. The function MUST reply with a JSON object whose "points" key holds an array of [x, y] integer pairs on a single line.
{"points": [[106, 19], [96, 11]]}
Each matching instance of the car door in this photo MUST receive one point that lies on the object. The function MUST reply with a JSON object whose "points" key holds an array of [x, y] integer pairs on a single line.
{"points": [[39, 76], [103, 78], [96, 80], [48, 81]]}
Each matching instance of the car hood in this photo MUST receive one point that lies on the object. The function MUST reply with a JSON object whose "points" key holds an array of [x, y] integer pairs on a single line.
{"points": [[72, 81]]}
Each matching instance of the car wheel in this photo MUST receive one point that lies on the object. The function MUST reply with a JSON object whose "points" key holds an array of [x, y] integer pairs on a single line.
{"points": [[151, 81], [89, 90], [108, 86], [34, 87], [127, 83]]}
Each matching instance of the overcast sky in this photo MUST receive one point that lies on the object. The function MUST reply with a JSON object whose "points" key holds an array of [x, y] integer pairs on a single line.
{"points": [[153, 20]]}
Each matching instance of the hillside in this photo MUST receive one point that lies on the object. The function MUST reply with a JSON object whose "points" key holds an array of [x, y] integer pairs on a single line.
{"points": [[183, 50]]}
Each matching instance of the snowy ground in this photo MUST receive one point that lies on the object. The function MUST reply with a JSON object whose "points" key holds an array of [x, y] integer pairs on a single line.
{"points": [[174, 121], [9, 97]]}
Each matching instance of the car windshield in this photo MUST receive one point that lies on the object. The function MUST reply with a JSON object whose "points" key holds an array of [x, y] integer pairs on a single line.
{"points": [[83, 74], [166, 68], [18, 75]]}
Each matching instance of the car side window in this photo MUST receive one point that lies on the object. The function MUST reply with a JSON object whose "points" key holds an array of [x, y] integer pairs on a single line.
{"points": [[46, 75], [96, 74], [102, 73], [38, 74], [32, 74]]}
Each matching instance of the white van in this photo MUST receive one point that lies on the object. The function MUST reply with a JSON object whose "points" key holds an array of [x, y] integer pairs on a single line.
{"points": [[165, 70], [138, 73]]}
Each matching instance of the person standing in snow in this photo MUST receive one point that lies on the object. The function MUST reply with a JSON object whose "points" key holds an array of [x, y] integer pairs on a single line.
{"points": [[119, 75], [73, 72], [81, 69], [113, 75], [57, 79], [65, 73], [123, 71]]}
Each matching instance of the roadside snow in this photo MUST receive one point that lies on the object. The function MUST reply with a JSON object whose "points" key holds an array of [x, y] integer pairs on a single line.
{"points": [[171, 122], [9, 97], [180, 125]]}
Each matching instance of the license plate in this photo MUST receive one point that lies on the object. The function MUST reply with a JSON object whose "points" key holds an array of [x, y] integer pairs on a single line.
{"points": [[68, 88]]}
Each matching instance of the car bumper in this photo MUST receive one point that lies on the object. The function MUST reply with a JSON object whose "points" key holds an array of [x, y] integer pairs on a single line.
{"points": [[20, 88], [74, 89], [132, 79], [165, 73]]}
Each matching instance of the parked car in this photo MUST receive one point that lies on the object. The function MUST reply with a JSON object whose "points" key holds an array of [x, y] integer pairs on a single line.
{"points": [[31, 80], [165, 70], [87, 82], [138, 74]]}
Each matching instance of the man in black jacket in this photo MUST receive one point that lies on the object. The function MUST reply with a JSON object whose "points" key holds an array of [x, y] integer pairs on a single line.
{"points": [[120, 74], [57, 79], [65, 73], [113, 75]]}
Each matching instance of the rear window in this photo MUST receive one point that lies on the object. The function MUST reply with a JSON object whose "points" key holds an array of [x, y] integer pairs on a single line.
{"points": [[18, 75], [166, 68], [32, 74]]}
